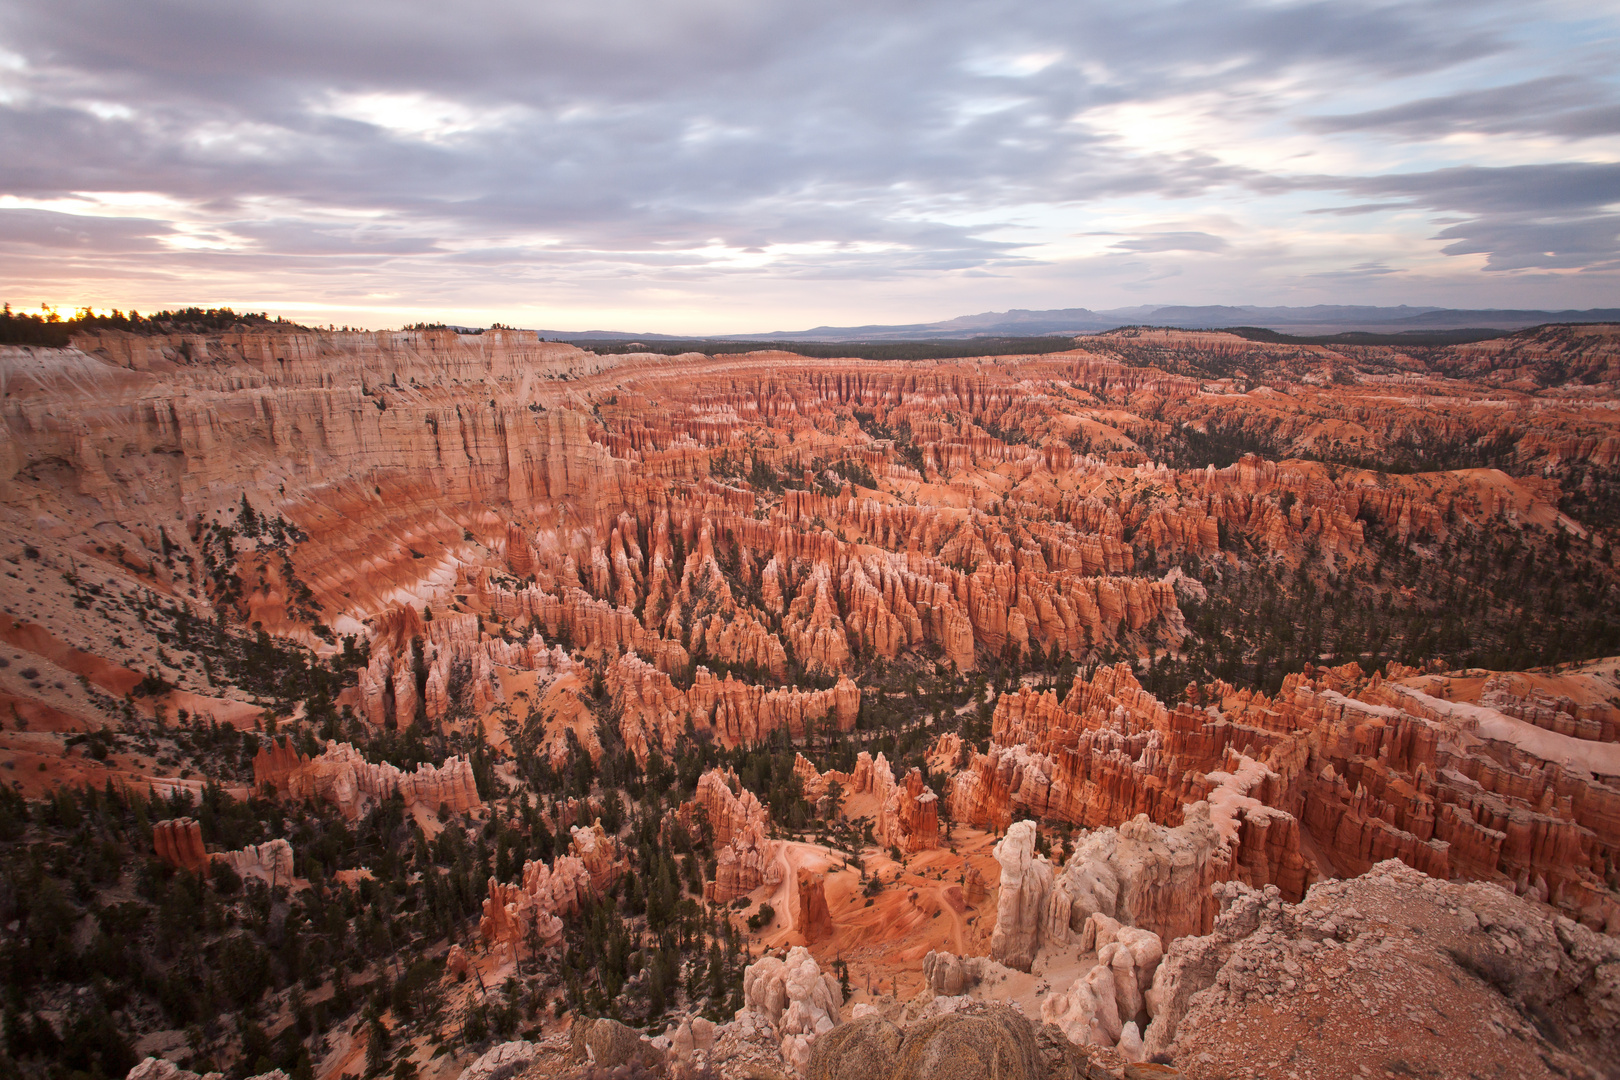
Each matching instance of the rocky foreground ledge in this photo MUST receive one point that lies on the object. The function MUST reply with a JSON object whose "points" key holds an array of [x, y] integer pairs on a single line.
{"points": [[1390, 974]]}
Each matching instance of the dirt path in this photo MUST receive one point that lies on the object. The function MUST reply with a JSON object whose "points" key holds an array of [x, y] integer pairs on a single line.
{"points": [[786, 898]]}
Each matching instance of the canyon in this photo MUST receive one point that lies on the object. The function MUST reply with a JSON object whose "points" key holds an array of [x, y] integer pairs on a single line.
{"points": [[861, 702]]}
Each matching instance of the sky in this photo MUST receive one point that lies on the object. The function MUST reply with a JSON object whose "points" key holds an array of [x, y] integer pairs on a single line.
{"points": [[708, 166]]}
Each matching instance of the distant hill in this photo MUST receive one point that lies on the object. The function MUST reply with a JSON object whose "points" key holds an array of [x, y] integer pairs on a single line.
{"points": [[1315, 320]]}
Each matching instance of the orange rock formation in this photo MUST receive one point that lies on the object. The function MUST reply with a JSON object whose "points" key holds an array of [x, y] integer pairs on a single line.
{"points": [[812, 920], [179, 843], [1385, 772], [342, 777], [745, 855], [529, 912]]}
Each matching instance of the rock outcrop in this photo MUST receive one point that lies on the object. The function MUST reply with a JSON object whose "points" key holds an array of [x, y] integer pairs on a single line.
{"points": [[1108, 1006], [745, 855], [155, 1068], [987, 1041], [813, 921], [949, 975], [179, 842], [1459, 977], [1026, 879], [529, 912], [691, 1042], [1142, 875], [270, 862], [907, 812], [796, 998], [342, 777], [501, 1061], [654, 713], [607, 1044]]}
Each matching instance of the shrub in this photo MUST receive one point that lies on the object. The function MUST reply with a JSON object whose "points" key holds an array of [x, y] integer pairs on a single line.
{"points": [[763, 917]]}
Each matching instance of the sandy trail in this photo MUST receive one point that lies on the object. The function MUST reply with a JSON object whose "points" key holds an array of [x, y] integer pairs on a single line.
{"points": [[786, 898]]}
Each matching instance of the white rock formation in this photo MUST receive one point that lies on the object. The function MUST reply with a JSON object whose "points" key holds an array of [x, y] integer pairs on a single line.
{"points": [[1088, 1012], [1103, 1006], [945, 973], [1026, 881], [271, 862], [507, 1059], [692, 1036], [1130, 1043], [1141, 874], [796, 998]]}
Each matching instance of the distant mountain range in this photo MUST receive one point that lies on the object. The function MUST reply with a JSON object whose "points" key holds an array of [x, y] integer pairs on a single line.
{"points": [[1319, 319]]}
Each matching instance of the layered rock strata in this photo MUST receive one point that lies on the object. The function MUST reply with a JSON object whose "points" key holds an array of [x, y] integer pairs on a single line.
{"points": [[1369, 769], [179, 843], [813, 921], [342, 777], [654, 712]]}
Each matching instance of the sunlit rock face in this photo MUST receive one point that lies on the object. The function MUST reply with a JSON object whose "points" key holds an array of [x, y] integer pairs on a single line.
{"points": [[738, 539]]}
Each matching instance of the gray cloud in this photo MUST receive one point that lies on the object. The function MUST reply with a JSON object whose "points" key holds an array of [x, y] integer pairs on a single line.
{"points": [[1562, 105], [1552, 216], [1590, 243], [1174, 241], [622, 137], [1557, 187], [51, 231]]}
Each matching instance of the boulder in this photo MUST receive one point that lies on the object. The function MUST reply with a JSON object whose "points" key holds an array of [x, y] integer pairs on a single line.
{"points": [[608, 1044], [864, 1049], [692, 1035], [1130, 1042], [997, 1042], [945, 973], [500, 1062]]}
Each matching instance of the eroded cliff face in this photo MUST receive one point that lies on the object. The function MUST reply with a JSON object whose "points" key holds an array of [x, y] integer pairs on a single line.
{"points": [[1338, 772], [178, 842], [490, 526], [526, 915], [471, 507], [342, 777], [732, 537], [588, 568]]}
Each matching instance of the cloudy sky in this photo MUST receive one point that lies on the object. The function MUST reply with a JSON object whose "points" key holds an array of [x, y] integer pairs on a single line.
{"points": [[749, 165]]}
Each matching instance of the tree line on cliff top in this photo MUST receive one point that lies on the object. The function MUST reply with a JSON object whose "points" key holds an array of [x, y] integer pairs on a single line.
{"points": [[50, 329]]}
